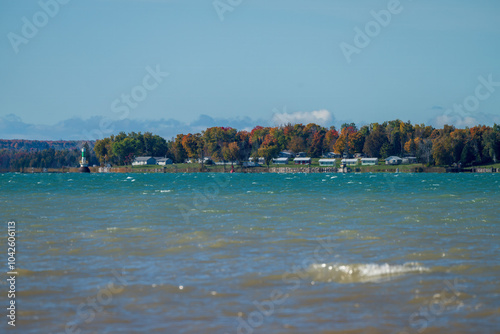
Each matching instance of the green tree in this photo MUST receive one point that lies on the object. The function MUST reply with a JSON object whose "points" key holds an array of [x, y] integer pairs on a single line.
{"points": [[103, 150], [458, 140], [125, 150], [468, 155], [179, 152], [87, 152], [268, 152], [491, 143], [374, 141]]}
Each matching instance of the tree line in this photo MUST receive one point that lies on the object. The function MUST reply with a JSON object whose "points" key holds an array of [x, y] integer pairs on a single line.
{"points": [[47, 158], [469, 146]]}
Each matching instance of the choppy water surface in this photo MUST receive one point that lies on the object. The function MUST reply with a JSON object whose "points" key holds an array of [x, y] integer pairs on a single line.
{"points": [[263, 253]]}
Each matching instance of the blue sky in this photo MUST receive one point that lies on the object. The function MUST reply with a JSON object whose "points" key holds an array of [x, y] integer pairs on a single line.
{"points": [[264, 62]]}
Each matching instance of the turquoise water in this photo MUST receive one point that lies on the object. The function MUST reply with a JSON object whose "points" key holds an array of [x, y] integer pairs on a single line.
{"points": [[255, 253]]}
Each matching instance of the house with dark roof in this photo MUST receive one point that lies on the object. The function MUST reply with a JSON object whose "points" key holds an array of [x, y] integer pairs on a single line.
{"points": [[139, 161], [393, 160], [163, 161]]}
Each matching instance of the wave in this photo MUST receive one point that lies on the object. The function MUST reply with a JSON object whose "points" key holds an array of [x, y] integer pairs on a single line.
{"points": [[361, 273]]}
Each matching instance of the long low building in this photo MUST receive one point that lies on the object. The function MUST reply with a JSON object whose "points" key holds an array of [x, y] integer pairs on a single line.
{"points": [[302, 161], [350, 162], [260, 160], [164, 161], [142, 161], [280, 161], [139, 161], [327, 162], [369, 161], [222, 163]]}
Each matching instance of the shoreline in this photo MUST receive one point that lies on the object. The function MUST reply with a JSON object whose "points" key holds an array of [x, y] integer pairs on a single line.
{"points": [[273, 170]]}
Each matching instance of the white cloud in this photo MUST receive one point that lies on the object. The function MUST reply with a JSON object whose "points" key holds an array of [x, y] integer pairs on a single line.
{"points": [[464, 120], [321, 117]]}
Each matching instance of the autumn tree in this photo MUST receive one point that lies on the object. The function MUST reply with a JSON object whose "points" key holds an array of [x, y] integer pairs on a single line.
{"points": [[341, 144], [245, 148], [330, 139], [374, 141], [441, 151], [268, 150], [178, 150], [297, 144], [231, 152], [410, 147], [193, 145], [356, 142], [316, 147], [215, 138]]}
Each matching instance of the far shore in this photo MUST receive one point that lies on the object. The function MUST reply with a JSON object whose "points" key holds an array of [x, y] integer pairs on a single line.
{"points": [[197, 168]]}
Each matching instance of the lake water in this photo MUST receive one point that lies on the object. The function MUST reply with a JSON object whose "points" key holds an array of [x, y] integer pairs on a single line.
{"points": [[254, 253]]}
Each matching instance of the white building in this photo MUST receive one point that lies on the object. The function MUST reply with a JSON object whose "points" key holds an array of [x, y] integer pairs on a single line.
{"points": [[327, 162], [260, 160], [302, 161], [139, 161], [369, 161], [222, 163], [350, 162], [280, 161], [164, 161], [393, 160]]}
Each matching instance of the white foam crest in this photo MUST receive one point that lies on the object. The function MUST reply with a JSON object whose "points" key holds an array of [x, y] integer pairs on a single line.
{"points": [[369, 272]]}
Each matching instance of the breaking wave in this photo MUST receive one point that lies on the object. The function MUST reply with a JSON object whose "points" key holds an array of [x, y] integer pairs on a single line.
{"points": [[354, 273]]}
